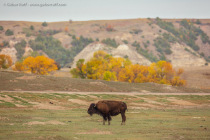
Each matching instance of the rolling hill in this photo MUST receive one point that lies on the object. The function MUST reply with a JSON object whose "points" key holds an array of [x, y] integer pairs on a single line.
{"points": [[183, 42]]}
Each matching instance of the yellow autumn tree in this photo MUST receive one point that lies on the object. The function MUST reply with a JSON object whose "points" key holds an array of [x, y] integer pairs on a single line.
{"points": [[105, 67], [18, 67], [162, 72], [38, 65], [79, 71], [140, 73], [5, 61]]}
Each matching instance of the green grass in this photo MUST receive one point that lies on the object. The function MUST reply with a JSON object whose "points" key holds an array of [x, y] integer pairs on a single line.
{"points": [[140, 101], [159, 124], [145, 125], [6, 104]]}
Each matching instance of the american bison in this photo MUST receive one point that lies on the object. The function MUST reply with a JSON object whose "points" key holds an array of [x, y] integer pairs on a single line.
{"points": [[106, 109]]}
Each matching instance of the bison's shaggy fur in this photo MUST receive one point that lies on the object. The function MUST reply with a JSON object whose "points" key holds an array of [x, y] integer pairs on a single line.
{"points": [[107, 109]]}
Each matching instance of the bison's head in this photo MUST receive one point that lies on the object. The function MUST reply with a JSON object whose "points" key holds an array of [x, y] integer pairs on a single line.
{"points": [[92, 109]]}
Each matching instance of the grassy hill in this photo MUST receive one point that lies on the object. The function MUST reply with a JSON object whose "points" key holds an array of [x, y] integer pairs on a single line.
{"points": [[154, 39], [14, 81]]}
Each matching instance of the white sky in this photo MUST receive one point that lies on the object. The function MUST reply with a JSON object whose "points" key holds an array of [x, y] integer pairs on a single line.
{"points": [[80, 10]]}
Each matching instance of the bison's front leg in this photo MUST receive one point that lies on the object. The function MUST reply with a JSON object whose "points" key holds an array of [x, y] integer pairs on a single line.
{"points": [[123, 118], [104, 119], [109, 119]]}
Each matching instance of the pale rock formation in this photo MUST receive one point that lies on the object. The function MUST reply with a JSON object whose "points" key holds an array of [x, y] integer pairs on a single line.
{"points": [[181, 57], [120, 51], [11, 52]]}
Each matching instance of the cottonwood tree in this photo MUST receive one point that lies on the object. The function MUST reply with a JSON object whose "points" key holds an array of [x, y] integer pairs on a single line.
{"points": [[5, 61], [39, 65], [105, 67]]}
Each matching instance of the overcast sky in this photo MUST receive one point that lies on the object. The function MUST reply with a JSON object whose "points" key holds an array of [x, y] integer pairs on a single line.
{"points": [[83, 10]]}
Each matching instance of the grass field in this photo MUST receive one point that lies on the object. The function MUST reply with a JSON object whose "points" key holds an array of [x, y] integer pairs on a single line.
{"points": [[56, 116]]}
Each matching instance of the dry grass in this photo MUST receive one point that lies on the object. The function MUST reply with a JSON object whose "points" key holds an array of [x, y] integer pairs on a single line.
{"points": [[14, 81]]}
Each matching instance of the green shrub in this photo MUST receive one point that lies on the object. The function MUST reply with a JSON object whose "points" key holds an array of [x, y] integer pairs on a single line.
{"points": [[168, 51], [169, 38], [44, 24], [32, 27], [148, 42], [125, 41], [160, 42], [73, 37], [198, 21], [110, 42], [5, 43], [162, 57], [136, 31], [145, 45], [1, 28], [28, 35], [136, 44], [142, 36], [202, 54], [147, 55], [126, 56], [9, 32]]}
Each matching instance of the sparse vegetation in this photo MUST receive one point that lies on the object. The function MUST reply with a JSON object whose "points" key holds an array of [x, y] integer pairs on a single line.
{"points": [[48, 32], [144, 52], [186, 34], [147, 54], [20, 47], [136, 31], [110, 42], [136, 44], [162, 45], [169, 38], [186, 49]]}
